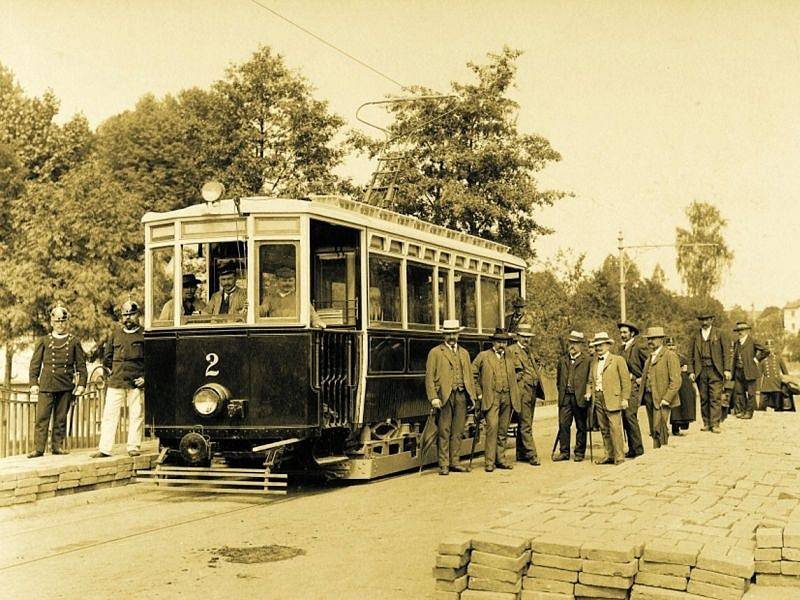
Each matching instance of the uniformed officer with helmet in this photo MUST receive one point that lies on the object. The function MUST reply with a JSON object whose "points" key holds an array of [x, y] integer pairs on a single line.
{"points": [[124, 357], [57, 359]]}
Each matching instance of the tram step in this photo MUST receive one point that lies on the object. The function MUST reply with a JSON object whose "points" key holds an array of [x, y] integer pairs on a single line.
{"points": [[330, 460], [222, 480]]}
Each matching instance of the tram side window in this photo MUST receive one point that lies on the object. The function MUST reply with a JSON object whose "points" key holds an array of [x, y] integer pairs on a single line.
{"points": [[163, 275], [387, 355], [419, 279], [490, 304], [465, 286], [278, 293], [384, 290], [444, 296]]}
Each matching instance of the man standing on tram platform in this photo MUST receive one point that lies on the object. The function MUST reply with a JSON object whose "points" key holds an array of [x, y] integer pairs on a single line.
{"points": [[498, 393], [528, 381], [513, 319], [710, 363], [635, 353], [56, 359], [448, 385], [124, 357]]}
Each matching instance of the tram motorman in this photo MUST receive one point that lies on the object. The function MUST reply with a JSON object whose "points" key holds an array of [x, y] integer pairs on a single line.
{"points": [[56, 359], [449, 384], [229, 299], [281, 299], [192, 305]]}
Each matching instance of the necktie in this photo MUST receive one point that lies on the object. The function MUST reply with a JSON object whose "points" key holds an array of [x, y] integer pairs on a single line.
{"points": [[224, 306]]}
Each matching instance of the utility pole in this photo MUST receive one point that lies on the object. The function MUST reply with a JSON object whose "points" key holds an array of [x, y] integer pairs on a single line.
{"points": [[622, 308]]}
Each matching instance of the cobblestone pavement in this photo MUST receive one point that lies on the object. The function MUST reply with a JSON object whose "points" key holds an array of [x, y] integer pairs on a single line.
{"points": [[682, 518]]}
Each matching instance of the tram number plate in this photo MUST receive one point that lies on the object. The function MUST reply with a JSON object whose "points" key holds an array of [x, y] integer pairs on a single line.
{"points": [[212, 359]]}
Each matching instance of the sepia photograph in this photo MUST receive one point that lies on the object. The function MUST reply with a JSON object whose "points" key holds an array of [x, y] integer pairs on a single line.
{"points": [[400, 299]]}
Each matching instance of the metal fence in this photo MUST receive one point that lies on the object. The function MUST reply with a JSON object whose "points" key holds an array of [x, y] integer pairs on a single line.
{"points": [[18, 420]]}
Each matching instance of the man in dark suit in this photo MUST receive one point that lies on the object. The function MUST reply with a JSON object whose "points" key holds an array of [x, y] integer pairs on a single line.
{"points": [[496, 384], [448, 385], [747, 353], [513, 319], [635, 353], [710, 364], [529, 383], [661, 382], [572, 375]]}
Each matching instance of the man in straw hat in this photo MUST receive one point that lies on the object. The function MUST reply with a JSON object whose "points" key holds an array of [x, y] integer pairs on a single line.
{"points": [[448, 385], [57, 359], [528, 382], [572, 376], [496, 384], [634, 351], [610, 390], [747, 354], [661, 381], [710, 365]]}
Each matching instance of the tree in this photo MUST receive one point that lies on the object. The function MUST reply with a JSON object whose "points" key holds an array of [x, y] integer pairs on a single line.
{"points": [[466, 165], [701, 267]]}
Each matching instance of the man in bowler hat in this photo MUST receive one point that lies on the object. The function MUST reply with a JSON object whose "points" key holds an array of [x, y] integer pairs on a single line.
{"points": [[449, 387], [191, 304], [496, 385], [528, 381], [747, 354], [572, 376], [57, 359], [634, 351], [711, 361], [513, 319]]}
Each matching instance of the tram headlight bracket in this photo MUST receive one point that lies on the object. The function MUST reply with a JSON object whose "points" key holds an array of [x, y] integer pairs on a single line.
{"points": [[209, 399]]}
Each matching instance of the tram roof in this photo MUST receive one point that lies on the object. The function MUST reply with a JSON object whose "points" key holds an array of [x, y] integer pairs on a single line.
{"points": [[358, 213]]}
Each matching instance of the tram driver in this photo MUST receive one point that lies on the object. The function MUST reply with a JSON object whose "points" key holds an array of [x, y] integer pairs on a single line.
{"points": [[280, 299], [229, 299]]}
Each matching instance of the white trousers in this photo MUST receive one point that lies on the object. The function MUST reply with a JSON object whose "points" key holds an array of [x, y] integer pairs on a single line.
{"points": [[116, 398]]}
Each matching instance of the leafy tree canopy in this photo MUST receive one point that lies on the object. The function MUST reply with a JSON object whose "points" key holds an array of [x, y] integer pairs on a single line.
{"points": [[701, 267]]}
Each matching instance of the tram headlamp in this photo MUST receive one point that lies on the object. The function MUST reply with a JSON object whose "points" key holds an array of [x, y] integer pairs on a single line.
{"points": [[212, 191], [209, 398]]}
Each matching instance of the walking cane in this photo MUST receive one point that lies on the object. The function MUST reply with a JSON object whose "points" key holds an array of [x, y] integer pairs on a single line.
{"points": [[590, 426], [475, 437]]}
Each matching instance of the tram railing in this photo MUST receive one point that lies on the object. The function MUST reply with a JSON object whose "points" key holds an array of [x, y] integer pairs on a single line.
{"points": [[335, 374], [18, 420]]}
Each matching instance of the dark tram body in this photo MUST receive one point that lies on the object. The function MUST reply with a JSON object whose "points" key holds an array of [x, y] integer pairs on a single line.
{"points": [[329, 310]]}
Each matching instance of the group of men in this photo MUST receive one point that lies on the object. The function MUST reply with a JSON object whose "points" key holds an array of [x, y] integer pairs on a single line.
{"points": [[594, 386], [58, 375]]}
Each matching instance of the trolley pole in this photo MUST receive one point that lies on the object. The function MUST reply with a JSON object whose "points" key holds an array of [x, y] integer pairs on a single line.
{"points": [[621, 261]]}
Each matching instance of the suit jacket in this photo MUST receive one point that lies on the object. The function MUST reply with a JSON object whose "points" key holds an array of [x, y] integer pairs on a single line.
{"points": [[580, 377], [721, 354], [55, 362], [752, 352], [635, 356], [526, 367], [665, 378], [486, 368], [616, 381], [439, 376], [236, 302]]}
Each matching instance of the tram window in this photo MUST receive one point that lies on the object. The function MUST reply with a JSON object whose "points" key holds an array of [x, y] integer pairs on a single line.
{"points": [[384, 290], [465, 299], [419, 280], [335, 287], [418, 353], [194, 287], [214, 282], [444, 295], [163, 274], [490, 304], [387, 355], [278, 293]]}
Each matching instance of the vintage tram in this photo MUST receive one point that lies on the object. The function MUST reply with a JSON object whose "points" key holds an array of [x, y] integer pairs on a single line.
{"points": [[304, 325]]}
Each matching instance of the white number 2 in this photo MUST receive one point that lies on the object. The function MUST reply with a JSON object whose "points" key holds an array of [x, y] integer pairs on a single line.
{"points": [[212, 360]]}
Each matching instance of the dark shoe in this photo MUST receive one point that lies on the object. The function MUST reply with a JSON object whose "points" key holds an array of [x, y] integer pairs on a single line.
{"points": [[748, 416], [99, 455], [443, 471], [535, 461], [605, 461], [619, 462], [60, 451], [578, 458], [705, 428], [559, 457], [134, 453], [459, 469], [488, 468], [715, 430], [506, 466], [739, 416], [35, 454]]}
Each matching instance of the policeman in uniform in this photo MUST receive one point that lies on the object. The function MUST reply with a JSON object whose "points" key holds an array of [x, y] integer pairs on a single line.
{"points": [[56, 359], [124, 357]]}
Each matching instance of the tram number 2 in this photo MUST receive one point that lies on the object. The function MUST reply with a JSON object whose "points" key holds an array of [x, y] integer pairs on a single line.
{"points": [[212, 359]]}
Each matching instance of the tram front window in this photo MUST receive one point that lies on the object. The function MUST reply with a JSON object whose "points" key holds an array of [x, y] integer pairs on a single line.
{"points": [[163, 273], [278, 294]]}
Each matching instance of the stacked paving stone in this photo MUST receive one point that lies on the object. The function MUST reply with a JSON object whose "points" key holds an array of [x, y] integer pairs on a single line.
{"points": [[450, 571], [691, 512], [495, 570], [22, 482]]}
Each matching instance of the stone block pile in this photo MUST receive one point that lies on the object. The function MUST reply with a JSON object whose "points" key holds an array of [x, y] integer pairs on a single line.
{"points": [[26, 480], [702, 518], [450, 571]]}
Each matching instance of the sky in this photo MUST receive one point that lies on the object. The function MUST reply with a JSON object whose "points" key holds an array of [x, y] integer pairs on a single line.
{"points": [[651, 104]]}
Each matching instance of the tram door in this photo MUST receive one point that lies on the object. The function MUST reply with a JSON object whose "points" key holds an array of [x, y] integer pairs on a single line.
{"points": [[335, 274]]}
